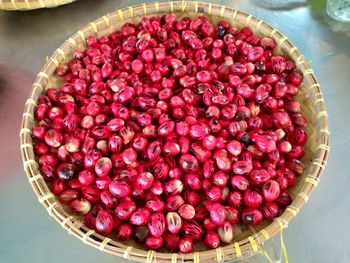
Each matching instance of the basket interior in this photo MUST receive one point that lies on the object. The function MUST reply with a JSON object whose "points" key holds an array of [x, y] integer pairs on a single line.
{"points": [[308, 95]]}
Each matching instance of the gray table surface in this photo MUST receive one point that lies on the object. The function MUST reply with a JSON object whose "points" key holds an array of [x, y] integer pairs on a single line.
{"points": [[320, 233]]}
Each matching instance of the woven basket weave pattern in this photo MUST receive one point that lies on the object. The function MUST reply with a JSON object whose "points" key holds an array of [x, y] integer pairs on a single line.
{"points": [[248, 240], [31, 4]]}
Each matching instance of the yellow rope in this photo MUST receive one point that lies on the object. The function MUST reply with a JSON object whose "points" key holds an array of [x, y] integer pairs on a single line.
{"points": [[173, 258], [299, 60], [265, 234], [272, 33], [28, 162], [61, 52], [219, 255], [94, 26], [281, 222], [304, 196], [253, 244], [77, 224], [23, 131], [127, 252], [308, 71], [183, 5], [26, 145], [50, 207], [27, 4], [43, 74], [318, 100], [234, 15], [104, 243], [282, 40], [35, 85], [65, 221], [88, 233], [283, 248], [266, 255], [209, 9], [81, 34], [222, 11], [42, 4], [54, 61], [35, 177], [43, 198], [311, 181], [323, 147], [27, 114], [31, 101], [322, 114], [196, 257], [13, 2], [131, 11], [72, 41], [320, 163], [325, 130], [292, 50], [121, 15], [150, 256], [258, 25], [237, 250], [248, 20], [156, 5], [107, 19], [315, 85], [293, 210]]}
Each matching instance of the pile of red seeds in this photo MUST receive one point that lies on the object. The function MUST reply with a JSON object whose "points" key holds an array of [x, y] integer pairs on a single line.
{"points": [[172, 131]]}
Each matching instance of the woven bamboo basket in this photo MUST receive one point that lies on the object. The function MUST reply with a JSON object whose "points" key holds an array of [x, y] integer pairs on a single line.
{"points": [[23, 5], [248, 240]]}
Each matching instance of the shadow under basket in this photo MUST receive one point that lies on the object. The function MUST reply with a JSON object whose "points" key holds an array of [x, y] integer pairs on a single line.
{"points": [[247, 240], [23, 5]]}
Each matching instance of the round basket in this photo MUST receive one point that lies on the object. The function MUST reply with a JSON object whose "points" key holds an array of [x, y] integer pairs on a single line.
{"points": [[248, 240], [23, 5]]}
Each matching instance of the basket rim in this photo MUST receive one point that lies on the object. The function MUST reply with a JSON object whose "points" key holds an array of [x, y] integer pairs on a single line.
{"points": [[241, 249], [27, 5]]}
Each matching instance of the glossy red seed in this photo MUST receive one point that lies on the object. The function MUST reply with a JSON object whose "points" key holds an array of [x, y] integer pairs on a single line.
{"points": [[104, 223], [252, 198], [252, 216], [156, 224], [119, 188], [140, 217]]}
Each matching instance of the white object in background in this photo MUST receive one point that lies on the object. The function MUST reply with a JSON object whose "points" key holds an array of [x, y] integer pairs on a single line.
{"points": [[339, 10]]}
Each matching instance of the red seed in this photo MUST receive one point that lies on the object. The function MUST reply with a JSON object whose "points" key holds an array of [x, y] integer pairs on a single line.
{"points": [[186, 245], [217, 213], [125, 232], [67, 196], [252, 198], [212, 239], [119, 188], [270, 210], [104, 223], [145, 180], [156, 224], [252, 216], [140, 217], [271, 190]]}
